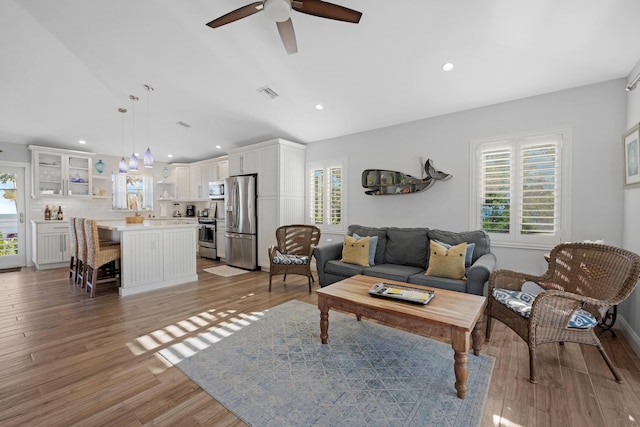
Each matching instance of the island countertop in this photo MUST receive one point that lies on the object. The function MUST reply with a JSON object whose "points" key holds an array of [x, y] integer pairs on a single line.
{"points": [[119, 225]]}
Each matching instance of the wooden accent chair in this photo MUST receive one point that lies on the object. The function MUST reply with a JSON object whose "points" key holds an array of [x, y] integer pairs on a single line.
{"points": [[100, 255], [582, 281], [73, 259], [293, 251]]}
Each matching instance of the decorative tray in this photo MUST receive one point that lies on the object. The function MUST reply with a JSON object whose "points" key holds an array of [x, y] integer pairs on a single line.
{"points": [[403, 293]]}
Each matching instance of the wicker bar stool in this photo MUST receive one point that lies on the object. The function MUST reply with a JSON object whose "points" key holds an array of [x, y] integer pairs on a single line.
{"points": [[73, 259], [81, 252], [100, 257]]}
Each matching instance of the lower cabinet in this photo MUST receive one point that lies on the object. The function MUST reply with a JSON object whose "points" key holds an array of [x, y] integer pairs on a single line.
{"points": [[51, 244], [220, 227]]}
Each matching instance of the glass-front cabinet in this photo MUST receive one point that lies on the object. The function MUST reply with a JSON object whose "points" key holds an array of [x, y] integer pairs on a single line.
{"points": [[61, 173]]}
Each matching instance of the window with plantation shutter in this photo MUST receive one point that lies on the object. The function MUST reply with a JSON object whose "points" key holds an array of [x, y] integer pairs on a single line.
{"points": [[326, 196], [520, 191]]}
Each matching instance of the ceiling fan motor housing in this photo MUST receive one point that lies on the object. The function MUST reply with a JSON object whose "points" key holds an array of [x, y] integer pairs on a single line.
{"points": [[277, 10]]}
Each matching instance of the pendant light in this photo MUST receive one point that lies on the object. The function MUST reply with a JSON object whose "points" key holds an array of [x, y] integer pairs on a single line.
{"points": [[148, 157], [133, 160], [122, 167]]}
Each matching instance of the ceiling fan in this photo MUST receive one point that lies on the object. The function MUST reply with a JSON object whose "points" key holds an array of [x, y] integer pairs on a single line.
{"points": [[280, 11]]}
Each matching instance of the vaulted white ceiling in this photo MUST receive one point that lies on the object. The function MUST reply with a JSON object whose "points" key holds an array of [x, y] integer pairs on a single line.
{"points": [[68, 65]]}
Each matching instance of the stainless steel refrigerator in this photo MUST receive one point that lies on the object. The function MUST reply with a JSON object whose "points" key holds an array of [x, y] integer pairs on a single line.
{"points": [[241, 222]]}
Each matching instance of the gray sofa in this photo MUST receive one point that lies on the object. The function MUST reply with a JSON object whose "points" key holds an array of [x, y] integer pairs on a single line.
{"points": [[402, 254]]}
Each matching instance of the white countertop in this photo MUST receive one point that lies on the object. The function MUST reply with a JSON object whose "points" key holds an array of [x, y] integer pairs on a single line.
{"points": [[121, 225]]}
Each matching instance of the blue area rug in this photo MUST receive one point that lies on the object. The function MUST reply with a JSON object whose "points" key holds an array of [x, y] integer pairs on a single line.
{"points": [[276, 372]]}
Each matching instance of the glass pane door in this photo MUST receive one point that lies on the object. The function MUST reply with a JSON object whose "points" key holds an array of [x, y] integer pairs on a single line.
{"points": [[49, 174], [12, 221]]}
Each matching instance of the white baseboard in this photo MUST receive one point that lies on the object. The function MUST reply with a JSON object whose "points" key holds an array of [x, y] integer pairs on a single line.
{"points": [[629, 334]]}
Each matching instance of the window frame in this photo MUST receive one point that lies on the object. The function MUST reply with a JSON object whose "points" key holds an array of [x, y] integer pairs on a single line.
{"points": [[516, 143], [120, 199], [326, 166]]}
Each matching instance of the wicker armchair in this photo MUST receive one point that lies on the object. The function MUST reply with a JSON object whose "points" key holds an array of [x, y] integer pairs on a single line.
{"points": [[293, 252], [580, 276], [73, 251]]}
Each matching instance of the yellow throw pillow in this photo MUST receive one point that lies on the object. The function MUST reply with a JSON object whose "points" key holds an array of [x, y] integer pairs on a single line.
{"points": [[356, 251], [448, 263]]}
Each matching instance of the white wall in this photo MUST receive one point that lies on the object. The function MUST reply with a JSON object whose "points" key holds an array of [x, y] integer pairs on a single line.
{"points": [[595, 113], [631, 239]]}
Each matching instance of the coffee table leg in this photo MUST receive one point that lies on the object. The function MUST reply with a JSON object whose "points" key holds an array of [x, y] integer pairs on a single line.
{"points": [[324, 319], [460, 343], [477, 338]]}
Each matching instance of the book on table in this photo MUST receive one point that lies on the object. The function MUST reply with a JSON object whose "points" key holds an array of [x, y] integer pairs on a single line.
{"points": [[403, 293]]}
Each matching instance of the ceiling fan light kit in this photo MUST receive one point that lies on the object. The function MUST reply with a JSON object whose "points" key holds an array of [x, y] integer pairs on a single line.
{"points": [[280, 11], [277, 10]]}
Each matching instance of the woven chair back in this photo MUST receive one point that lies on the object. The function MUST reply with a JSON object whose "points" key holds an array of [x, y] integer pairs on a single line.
{"points": [[73, 240], [81, 241], [297, 239], [597, 271]]}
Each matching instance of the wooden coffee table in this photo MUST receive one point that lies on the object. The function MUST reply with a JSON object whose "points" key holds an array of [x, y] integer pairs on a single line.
{"points": [[451, 315]]}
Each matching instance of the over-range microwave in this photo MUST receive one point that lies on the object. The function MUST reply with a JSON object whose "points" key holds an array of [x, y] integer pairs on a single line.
{"points": [[216, 190]]}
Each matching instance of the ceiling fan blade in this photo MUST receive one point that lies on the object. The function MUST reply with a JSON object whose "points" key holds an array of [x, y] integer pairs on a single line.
{"points": [[326, 10], [288, 36], [243, 12]]}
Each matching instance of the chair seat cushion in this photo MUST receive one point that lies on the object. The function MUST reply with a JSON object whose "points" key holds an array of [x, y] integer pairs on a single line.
{"points": [[521, 302], [290, 259]]}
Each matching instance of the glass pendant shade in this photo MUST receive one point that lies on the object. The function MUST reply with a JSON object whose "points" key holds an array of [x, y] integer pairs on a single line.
{"points": [[148, 158], [133, 162], [122, 167]]}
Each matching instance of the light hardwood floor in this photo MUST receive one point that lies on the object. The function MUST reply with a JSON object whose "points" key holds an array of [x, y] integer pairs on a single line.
{"points": [[67, 359]]}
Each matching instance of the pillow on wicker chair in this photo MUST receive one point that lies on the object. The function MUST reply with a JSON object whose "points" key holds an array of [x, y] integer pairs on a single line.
{"points": [[521, 302]]}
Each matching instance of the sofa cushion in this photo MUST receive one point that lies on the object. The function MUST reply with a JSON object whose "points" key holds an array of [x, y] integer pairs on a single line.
{"points": [[342, 269], [479, 237], [448, 263], [373, 245], [356, 251], [407, 246], [372, 231], [392, 271]]}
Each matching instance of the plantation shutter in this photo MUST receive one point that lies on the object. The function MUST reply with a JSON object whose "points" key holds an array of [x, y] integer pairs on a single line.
{"points": [[335, 195], [540, 190], [316, 199], [496, 190]]}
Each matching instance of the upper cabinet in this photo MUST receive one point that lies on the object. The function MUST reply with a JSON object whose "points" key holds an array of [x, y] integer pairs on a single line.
{"points": [[59, 173], [243, 162]]}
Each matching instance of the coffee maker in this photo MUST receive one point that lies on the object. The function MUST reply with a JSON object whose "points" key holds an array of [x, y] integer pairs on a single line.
{"points": [[191, 210]]}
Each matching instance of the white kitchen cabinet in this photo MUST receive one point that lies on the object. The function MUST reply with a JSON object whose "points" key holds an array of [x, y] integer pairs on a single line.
{"points": [[220, 227], [50, 244], [243, 162], [222, 170], [101, 187], [183, 182], [197, 175], [61, 173]]}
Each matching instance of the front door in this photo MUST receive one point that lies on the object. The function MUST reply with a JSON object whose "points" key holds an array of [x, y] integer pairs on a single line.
{"points": [[12, 217]]}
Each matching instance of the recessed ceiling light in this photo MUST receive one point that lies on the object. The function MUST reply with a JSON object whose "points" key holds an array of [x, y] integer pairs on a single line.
{"points": [[218, 147], [82, 142], [319, 107], [170, 155], [447, 67]]}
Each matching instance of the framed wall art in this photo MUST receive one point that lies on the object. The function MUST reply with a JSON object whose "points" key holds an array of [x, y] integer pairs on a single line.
{"points": [[631, 149]]}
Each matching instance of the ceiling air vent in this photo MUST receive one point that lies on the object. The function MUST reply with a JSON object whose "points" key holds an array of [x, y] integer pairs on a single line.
{"points": [[184, 125], [267, 92]]}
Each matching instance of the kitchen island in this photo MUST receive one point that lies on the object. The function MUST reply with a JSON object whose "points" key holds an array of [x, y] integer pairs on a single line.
{"points": [[154, 254]]}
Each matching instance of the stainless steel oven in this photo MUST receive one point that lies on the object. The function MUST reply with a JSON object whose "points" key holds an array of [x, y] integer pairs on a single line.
{"points": [[207, 238]]}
